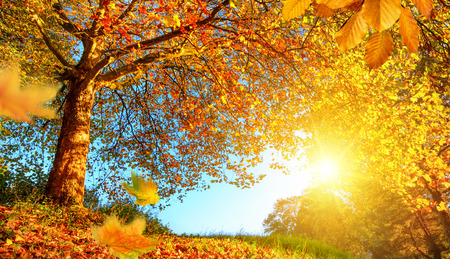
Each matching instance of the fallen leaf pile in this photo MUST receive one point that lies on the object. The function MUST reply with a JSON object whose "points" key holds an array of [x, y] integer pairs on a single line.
{"points": [[44, 231]]}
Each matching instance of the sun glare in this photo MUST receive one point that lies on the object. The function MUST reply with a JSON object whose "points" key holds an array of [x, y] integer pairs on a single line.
{"points": [[327, 169]]}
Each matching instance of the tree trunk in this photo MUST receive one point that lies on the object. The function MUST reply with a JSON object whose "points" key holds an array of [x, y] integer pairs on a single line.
{"points": [[65, 185]]}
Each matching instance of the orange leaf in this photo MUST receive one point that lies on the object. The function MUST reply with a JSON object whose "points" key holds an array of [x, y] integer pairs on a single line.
{"points": [[294, 8], [355, 6], [352, 33], [335, 4], [409, 30], [381, 14], [16, 103], [324, 11], [124, 241], [424, 7], [378, 49]]}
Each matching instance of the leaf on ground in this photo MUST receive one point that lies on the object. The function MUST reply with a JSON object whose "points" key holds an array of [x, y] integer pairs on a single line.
{"points": [[17, 103], [124, 241], [145, 191], [409, 30], [335, 4], [352, 33], [378, 49], [424, 7], [294, 8], [381, 14]]}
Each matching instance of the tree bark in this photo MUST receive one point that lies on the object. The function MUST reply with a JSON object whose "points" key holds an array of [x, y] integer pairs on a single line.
{"points": [[65, 185]]}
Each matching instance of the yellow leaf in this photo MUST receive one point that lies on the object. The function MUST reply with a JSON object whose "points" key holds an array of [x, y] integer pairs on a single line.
{"points": [[381, 14], [124, 241], [378, 49], [145, 191], [8, 242], [442, 206], [427, 178], [335, 4], [352, 33], [424, 7], [294, 8], [409, 30], [16, 103], [324, 11], [176, 19]]}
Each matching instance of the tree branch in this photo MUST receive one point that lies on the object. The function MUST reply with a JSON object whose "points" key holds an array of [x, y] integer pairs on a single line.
{"points": [[66, 23], [48, 42]]}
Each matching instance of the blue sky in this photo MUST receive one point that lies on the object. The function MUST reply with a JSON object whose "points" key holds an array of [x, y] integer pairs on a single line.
{"points": [[226, 209]]}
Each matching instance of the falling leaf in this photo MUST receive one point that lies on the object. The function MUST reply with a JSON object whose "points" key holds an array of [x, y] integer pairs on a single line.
{"points": [[381, 14], [409, 30], [424, 7], [324, 11], [352, 33], [335, 4], [17, 103], [294, 8], [124, 241], [378, 49], [145, 191]]}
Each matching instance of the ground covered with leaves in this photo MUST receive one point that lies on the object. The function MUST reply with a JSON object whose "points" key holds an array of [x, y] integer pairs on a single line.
{"points": [[43, 231]]}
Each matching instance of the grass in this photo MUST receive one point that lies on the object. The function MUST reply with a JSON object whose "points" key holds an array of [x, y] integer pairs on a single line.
{"points": [[35, 230]]}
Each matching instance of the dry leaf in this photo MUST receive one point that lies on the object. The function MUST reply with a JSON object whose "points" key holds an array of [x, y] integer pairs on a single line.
{"points": [[352, 33], [324, 11], [409, 30], [294, 8], [381, 14], [145, 191], [124, 241], [378, 49], [335, 4], [424, 7], [17, 103]]}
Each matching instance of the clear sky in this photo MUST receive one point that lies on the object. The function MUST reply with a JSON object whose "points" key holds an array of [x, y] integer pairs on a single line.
{"points": [[225, 209]]}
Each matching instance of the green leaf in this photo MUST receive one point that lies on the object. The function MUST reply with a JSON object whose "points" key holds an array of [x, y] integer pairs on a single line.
{"points": [[145, 191]]}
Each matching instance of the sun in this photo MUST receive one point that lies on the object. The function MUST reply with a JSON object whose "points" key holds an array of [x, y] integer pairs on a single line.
{"points": [[327, 168]]}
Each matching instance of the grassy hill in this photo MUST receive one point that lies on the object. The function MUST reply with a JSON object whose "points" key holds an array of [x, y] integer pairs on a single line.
{"points": [[34, 230]]}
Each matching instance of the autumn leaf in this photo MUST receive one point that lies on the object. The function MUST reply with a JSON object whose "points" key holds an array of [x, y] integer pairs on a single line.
{"points": [[124, 241], [442, 206], [352, 33], [381, 14], [378, 49], [424, 7], [324, 11], [16, 103], [335, 4], [409, 30], [294, 8], [145, 191]]}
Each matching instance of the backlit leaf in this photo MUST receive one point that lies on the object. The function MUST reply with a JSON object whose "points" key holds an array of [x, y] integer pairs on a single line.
{"points": [[294, 8], [378, 49], [442, 206], [324, 11], [352, 33], [409, 30], [124, 241], [145, 191], [381, 14], [16, 103], [335, 4], [424, 7]]}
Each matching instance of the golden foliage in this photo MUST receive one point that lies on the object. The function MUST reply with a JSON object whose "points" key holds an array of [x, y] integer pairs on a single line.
{"points": [[381, 14], [324, 11], [352, 33], [378, 49], [424, 7], [294, 8], [335, 4], [409, 30]]}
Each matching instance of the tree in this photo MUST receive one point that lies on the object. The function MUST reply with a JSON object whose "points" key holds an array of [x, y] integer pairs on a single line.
{"points": [[177, 89]]}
